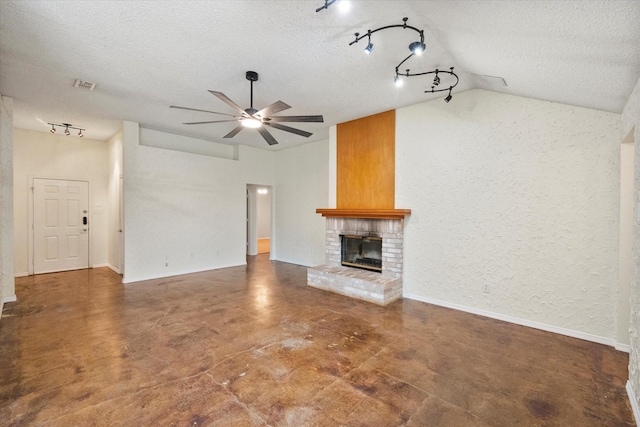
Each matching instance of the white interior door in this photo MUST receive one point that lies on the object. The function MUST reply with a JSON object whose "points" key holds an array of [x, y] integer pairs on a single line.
{"points": [[60, 225]]}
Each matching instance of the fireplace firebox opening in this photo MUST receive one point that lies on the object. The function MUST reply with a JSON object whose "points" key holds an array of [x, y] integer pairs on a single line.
{"points": [[362, 252]]}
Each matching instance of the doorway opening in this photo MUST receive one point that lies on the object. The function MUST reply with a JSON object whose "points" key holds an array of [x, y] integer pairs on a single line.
{"points": [[259, 202]]}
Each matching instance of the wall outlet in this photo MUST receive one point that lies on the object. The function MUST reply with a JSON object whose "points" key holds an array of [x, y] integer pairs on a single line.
{"points": [[486, 289]]}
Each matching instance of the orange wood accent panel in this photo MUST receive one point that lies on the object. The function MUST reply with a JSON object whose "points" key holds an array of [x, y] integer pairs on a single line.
{"points": [[365, 213], [366, 162]]}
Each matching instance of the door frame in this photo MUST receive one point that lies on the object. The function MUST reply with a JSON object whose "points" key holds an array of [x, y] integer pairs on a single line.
{"points": [[31, 206], [252, 219]]}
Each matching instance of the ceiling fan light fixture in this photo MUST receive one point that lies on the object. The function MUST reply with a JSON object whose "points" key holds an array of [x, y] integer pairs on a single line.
{"points": [[251, 122]]}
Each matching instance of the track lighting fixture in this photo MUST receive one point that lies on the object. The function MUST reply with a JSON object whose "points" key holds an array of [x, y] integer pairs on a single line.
{"points": [[416, 48], [436, 79], [66, 127], [343, 5], [368, 49], [448, 98]]}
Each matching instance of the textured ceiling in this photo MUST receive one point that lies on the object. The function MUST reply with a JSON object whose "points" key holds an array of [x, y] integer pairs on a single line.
{"points": [[147, 55]]}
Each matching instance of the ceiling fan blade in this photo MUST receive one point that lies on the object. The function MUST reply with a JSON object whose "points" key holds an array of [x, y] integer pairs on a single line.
{"points": [[289, 129], [225, 98], [307, 119], [210, 121], [196, 109], [234, 132], [267, 136], [276, 107]]}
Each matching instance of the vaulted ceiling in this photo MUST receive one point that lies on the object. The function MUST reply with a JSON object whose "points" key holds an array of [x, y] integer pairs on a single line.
{"points": [[147, 55]]}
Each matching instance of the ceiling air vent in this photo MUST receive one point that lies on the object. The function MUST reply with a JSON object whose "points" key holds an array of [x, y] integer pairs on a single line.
{"points": [[84, 85], [491, 80]]}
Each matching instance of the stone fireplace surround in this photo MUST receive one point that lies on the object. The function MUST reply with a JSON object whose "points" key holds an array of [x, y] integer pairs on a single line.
{"points": [[379, 288]]}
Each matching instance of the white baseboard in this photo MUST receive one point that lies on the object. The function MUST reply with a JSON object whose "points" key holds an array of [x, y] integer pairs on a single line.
{"points": [[511, 319], [104, 264], [127, 280], [21, 274], [634, 403], [113, 268], [623, 347], [10, 298], [295, 262]]}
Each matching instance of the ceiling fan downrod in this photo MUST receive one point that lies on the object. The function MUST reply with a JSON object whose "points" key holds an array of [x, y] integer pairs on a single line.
{"points": [[252, 76]]}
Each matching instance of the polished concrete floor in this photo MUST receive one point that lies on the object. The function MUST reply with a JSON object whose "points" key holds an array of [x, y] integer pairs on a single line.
{"points": [[256, 346]]}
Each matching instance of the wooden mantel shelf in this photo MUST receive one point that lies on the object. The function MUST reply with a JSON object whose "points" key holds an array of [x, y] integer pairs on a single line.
{"points": [[365, 213]]}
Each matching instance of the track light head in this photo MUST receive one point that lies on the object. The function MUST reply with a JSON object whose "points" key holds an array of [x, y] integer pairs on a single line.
{"points": [[66, 130], [417, 48], [369, 48], [80, 135], [53, 129], [397, 81], [449, 97]]}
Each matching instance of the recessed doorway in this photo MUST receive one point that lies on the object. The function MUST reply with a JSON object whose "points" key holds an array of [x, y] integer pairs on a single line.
{"points": [[259, 202]]}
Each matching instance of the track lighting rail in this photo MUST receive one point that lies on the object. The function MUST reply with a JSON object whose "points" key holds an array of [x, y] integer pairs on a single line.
{"points": [[66, 127], [403, 25], [416, 48]]}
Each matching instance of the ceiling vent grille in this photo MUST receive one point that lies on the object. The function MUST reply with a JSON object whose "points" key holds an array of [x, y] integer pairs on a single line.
{"points": [[84, 85]]}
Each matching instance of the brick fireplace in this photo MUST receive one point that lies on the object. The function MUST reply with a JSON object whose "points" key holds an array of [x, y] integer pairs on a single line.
{"points": [[377, 287], [365, 206]]}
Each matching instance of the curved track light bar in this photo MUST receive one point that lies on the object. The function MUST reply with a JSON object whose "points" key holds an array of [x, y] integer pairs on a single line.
{"points": [[327, 3], [416, 48]]}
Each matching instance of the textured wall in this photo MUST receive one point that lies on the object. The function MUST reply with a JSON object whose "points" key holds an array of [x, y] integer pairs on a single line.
{"points": [[7, 288], [302, 176], [631, 118], [518, 194], [185, 212], [43, 155]]}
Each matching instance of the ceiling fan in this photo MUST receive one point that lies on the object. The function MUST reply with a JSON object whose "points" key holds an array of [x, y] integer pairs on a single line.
{"points": [[257, 119]]}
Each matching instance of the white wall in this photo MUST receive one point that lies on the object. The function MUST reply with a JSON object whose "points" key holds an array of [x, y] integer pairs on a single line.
{"points": [[631, 123], [114, 147], [518, 194], [302, 180], [185, 212], [625, 244], [7, 288], [58, 156]]}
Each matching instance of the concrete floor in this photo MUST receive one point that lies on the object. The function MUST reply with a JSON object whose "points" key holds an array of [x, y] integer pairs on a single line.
{"points": [[256, 346]]}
